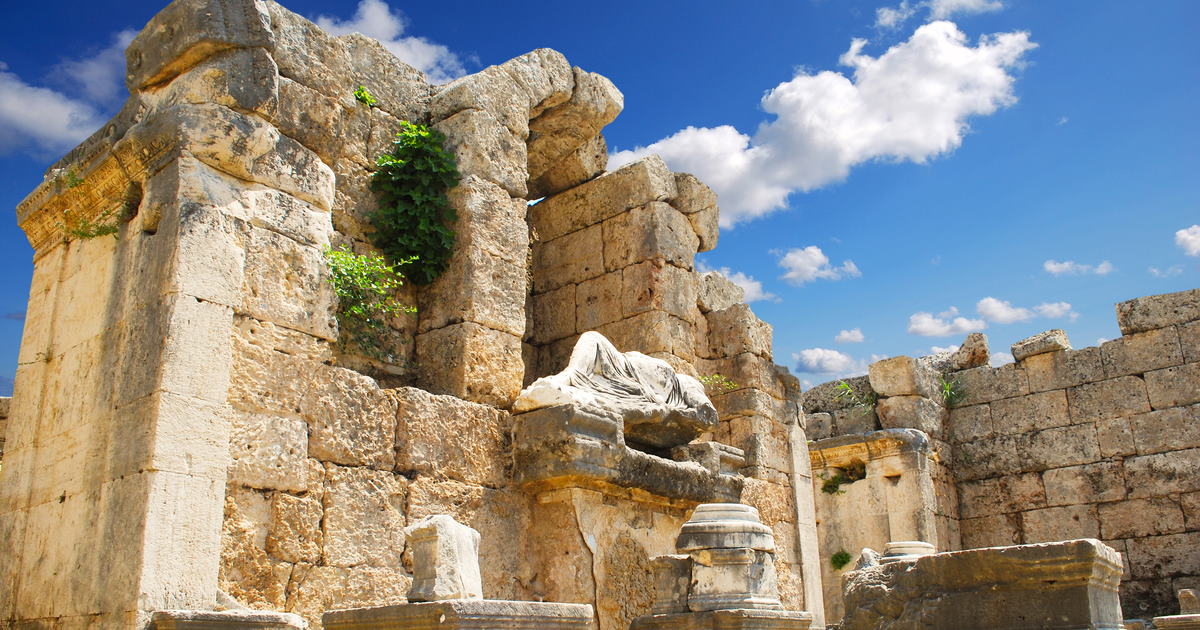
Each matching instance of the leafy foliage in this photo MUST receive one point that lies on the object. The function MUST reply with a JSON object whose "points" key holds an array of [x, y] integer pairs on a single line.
{"points": [[414, 216], [363, 96], [106, 223], [952, 392], [839, 560], [718, 383], [863, 404], [366, 287], [854, 471]]}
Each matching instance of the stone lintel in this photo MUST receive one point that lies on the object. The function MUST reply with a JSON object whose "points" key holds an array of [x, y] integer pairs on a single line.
{"points": [[839, 451], [1177, 622], [736, 619], [225, 620], [556, 448], [464, 614]]}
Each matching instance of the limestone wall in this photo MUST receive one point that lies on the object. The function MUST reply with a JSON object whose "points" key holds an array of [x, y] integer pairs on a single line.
{"points": [[183, 405], [1100, 442]]}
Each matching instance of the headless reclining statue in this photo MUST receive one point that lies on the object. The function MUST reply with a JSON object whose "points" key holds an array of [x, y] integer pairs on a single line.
{"points": [[657, 406]]}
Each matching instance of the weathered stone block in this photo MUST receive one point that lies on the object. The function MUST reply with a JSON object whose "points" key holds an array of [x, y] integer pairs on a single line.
{"points": [[316, 589], [631, 186], [225, 620], [579, 166], [598, 301], [1141, 352], [1058, 370], [1041, 343], [1060, 523], [1136, 518], [295, 533], [445, 560], [472, 362], [431, 431], [1158, 311], [546, 77], [655, 285], [491, 90], [490, 220], [1174, 386], [242, 79], [1000, 530], [559, 130], [985, 384], [1043, 410], [970, 423], [902, 376], [1108, 399], [987, 457], [486, 148], [1115, 437], [652, 331], [1058, 447], [185, 33], [476, 287], [287, 283], [746, 402], [653, 231], [572, 258], [553, 314], [917, 412], [268, 451], [364, 517], [1089, 483], [1069, 584], [1189, 340], [1002, 495], [736, 329], [717, 292], [322, 124], [699, 203], [1166, 430], [464, 614], [1164, 556], [1162, 473], [350, 420]]}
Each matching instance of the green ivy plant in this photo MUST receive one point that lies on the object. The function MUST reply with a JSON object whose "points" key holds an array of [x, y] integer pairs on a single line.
{"points": [[717, 383], [863, 404], [413, 222], [363, 96], [839, 560], [952, 392], [854, 471], [366, 286]]}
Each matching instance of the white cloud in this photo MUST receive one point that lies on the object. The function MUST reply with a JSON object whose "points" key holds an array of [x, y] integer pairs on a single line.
{"points": [[1072, 268], [941, 349], [854, 335], [752, 288], [1000, 358], [1188, 239], [1173, 270], [40, 118], [99, 77], [943, 324], [374, 18], [810, 263], [889, 17], [910, 103], [1101, 340], [1056, 310], [1002, 312], [825, 361], [1063, 120]]}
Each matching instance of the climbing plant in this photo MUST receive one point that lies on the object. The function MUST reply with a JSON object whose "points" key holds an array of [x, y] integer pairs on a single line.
{"points": [[414, 218], [717, 383], [366, 286], [863, 404], [839, 560]]}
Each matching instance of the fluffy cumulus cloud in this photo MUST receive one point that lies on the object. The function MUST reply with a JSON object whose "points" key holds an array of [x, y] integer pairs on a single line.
{"points": [[51, 120], [854, 335], [824, 361], [374, 18], [753, 289], [1188, 239], [1072, 268], [1000, 358], [810, 263], [1003, 312], [910, 103], [944, 324]]}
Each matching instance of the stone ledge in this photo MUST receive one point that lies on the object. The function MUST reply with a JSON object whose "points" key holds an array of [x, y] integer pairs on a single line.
{"points": [[840, 450], [225, 620], [738, 619], [478, 614]]}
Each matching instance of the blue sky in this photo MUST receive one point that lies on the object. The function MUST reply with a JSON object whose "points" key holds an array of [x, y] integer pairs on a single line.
{"points": [[896, 172]]}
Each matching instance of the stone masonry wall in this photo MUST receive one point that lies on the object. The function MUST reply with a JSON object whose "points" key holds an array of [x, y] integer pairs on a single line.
{"points": [[183, 403], [1101, 442]]}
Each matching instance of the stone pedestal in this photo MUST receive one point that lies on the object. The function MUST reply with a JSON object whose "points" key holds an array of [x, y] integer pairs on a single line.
{"points": [[1068, 585], [464, 614], [736, 619], [1188, 617], [225, 620], [445, 560]]}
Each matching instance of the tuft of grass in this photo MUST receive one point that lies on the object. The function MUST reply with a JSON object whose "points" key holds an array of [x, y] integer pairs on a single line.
{"points": [[839, 560]]}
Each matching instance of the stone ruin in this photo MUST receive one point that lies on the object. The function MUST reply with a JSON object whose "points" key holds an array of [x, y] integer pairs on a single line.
{"points": [[190, 446]]}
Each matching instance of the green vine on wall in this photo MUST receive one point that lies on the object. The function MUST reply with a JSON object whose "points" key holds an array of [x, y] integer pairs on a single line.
{"points": [[717, 383], [413, 222], [366, 289], [839, 560]]}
